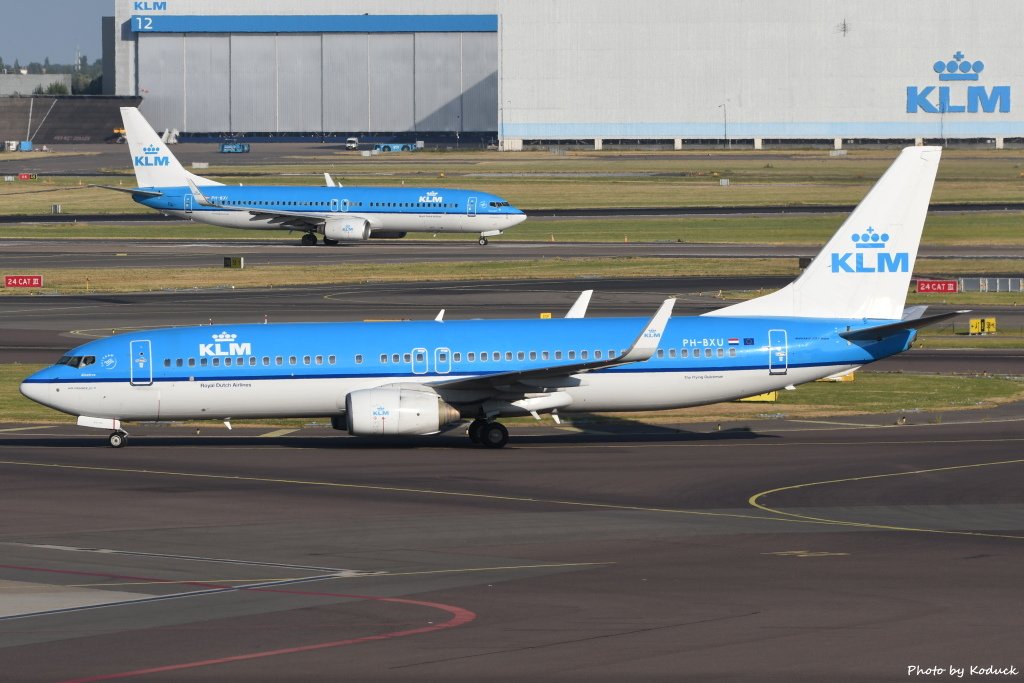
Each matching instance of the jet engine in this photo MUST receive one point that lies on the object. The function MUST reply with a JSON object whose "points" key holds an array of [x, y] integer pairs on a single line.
{"points": [[396, 410], [350, 229]]}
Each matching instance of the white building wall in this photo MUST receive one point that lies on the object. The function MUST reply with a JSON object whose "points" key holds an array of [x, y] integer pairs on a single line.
{"points": [[781, 68]]}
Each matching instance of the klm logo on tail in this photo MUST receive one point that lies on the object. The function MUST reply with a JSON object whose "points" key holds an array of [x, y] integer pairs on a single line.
{"points": [[149, 157], [870, 255]]}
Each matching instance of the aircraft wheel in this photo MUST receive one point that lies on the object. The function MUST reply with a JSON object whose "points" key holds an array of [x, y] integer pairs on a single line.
{"points": [[493, 435], [330, 243], [117, 439], [482, 241], [308, 240], [474, 430]]}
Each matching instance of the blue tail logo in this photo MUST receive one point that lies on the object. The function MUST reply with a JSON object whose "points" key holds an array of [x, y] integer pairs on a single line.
{"points": [[870, 255]]}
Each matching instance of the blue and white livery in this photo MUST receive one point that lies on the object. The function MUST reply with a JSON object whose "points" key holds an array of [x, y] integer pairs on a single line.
{"points": [[846, 310], [337, 214]]}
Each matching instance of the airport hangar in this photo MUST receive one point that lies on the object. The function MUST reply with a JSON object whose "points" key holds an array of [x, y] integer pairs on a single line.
{"points": [[535, 71]]}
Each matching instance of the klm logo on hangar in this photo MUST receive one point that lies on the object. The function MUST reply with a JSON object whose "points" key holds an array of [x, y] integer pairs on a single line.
{"points": [[140, 6], [149, 157], [871, 255], [945, 99]]}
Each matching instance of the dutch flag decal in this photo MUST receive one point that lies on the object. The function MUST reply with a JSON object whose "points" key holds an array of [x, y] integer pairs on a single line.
{"points": [[734, 340]]}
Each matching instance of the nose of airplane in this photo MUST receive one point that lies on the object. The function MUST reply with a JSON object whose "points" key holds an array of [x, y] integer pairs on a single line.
{"points": [[33, 391], [516, 218]]}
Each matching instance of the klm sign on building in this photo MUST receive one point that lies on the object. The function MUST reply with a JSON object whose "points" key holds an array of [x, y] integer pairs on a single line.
{"points": [[954, 99]]}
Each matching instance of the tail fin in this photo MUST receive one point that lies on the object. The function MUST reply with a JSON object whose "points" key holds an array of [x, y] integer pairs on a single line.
{"points": [[864, 270], [154, 164]]}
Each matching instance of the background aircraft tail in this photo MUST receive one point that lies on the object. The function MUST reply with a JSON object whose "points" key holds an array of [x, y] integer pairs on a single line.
{"points": [[154, 164], [864, 270]]}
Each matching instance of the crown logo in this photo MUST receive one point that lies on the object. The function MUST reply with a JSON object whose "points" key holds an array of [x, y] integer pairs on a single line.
{"points": [[151, 149], [224, 337], [869, 239], [432, 193], [958, 69]]}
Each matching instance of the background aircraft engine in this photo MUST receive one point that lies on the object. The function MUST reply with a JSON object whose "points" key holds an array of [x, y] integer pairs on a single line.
{"points": [[347, 229], [384, 411]]}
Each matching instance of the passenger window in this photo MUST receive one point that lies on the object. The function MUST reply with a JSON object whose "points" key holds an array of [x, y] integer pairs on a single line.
{"points": [[216, 362], [520, 356], [383, 358], [319, 360], [471, 356], [457, 357], [558, 355], [191, 362], [442, 357], [266, 361], [721, 352], [203, 362], [508, 355], [239, 361], [671, 353], [684, 353], [292, 360], [732, 353], [707, 353], [533, 355], [227, 362], [545, 355], [252, 361], [597, 354], [332, 359], [167, 362], [177, 362], [495, 356], [278, 360], [395, 358], [407, 357], [611, 353], [419, 357], [572, 355], [584, 355], [661, 353], [305, 360]]}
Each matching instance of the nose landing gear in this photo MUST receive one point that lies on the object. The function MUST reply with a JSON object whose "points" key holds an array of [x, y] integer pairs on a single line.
{"points": [[118, 438]]}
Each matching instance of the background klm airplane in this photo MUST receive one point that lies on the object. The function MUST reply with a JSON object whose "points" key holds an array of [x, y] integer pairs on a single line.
{"points": [[845, 310], [338, 214]]}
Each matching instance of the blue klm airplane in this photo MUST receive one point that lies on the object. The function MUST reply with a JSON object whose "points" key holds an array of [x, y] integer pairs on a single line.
{"points": [[337, 214], [846, 310]]}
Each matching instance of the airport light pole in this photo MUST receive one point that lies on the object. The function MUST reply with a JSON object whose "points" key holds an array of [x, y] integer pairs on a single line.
{"points": [[725, 124]]}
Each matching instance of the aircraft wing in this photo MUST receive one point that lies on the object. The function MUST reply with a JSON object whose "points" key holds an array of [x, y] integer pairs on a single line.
{"points": [[879, 332], [285, 216], [553, 376]]}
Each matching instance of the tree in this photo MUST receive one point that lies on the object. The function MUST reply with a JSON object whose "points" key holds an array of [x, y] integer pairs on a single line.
{"points": [[17, 67], [83, 63], [46, 65], [35, 68]]}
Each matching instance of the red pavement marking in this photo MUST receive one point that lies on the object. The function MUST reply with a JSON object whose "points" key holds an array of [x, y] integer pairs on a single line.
{"points": [[459, 616]]}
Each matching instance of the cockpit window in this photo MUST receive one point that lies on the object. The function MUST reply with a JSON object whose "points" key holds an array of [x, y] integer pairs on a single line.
{"points": [[76, 361]]}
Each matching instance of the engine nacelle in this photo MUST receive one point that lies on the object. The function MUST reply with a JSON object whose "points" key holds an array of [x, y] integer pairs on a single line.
{"points": [[350, 229], [393, 410]]}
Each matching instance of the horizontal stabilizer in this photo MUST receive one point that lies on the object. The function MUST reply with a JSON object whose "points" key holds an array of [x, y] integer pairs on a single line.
{"points": [[131, 190], [880, 332]]}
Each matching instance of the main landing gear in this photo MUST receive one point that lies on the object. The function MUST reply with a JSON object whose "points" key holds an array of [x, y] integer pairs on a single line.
{"points": [[488, 434], [309, 239], [482, 241], [117, 438]]}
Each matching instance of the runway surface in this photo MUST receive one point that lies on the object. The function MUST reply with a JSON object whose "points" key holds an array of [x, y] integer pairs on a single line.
{"points": [[22, 255], [37, 329], [768, 551]]}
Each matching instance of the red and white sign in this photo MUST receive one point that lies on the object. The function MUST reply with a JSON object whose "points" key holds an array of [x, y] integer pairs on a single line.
{"points": [[23, 280], [937, 286]]}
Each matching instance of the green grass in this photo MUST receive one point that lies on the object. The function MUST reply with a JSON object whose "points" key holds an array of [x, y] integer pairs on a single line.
{"points": [[586, 179], [884, 392], [869, 393]]}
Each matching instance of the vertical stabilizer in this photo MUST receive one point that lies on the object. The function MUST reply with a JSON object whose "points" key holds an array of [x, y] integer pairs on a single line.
{"points": [[153, 162], [864, 270]]}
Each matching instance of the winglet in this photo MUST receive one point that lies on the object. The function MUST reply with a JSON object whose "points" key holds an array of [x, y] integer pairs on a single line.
{"points": [[648, 340], [579, 309], [440, 317], [328, 179], [197, 193]]}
